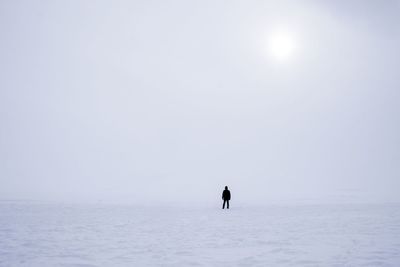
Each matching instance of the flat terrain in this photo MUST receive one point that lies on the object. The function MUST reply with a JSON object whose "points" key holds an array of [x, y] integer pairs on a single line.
{"points": [[116, 235]]}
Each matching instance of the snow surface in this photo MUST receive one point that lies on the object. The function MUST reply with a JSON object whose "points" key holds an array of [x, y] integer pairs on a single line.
{"points": [[116, 235]]}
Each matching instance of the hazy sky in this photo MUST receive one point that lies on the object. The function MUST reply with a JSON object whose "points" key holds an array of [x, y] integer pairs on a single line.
{"points": [[150, 101]]}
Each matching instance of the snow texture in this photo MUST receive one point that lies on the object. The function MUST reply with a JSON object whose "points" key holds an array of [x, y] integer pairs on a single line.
{"points": [[117, 235]]}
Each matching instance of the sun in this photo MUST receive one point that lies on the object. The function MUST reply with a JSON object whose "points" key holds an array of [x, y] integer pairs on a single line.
{"points": [[281, 45]]}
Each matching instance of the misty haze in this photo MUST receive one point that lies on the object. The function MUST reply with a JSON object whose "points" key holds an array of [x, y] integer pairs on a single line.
{"points": [[122, 122]]}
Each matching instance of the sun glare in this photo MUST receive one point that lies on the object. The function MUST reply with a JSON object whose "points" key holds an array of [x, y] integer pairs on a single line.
{"points": [[281, 45]]}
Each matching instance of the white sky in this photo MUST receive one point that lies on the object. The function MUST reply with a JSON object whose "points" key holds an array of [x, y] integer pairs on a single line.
{"points": [[153, 101]]}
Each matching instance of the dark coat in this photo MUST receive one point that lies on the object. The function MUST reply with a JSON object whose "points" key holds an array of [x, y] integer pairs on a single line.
{"points": [[226, 195]]}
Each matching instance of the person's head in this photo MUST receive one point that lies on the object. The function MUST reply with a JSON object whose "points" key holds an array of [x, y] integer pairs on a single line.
{"points": [[226, 187]]}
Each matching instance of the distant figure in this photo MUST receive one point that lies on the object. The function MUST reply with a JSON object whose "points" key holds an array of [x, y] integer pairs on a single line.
{"points": [[226, 196]]}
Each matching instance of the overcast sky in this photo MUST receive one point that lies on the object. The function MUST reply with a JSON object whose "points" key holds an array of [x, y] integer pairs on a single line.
{"points": [[153, 101]]}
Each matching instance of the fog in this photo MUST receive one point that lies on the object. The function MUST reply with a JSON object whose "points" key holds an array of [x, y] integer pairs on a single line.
{"points": [[169, 101]]}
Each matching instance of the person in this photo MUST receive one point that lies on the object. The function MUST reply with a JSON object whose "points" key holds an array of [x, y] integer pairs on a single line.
{"points": [[226, 196]]}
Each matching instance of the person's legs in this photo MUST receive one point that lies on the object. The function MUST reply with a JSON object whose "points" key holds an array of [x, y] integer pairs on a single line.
{"points": [[227, 204], [223, 205]]}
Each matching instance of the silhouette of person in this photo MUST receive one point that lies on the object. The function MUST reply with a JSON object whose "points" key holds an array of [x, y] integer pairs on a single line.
{"points": [[226, 196]]}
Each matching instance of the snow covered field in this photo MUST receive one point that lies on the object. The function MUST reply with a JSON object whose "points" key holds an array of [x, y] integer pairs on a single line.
{"points": [[117, 235]]}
